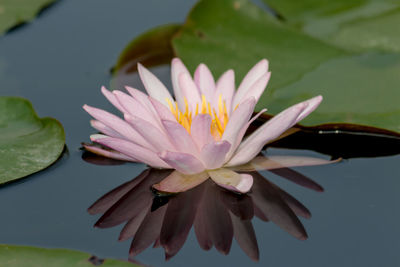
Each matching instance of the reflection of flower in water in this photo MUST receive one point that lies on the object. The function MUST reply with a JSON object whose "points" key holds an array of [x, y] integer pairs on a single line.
{"points": [[200, 134], [217, 215]]}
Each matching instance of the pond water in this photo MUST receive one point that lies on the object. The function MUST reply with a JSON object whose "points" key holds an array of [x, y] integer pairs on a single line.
{"points": [[60, 61]]}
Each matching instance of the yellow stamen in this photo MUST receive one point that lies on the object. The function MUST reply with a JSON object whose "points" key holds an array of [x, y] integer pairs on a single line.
{"points": [[203, 104], [185, 123], [218, 123], [220, 104], [186, 105], [225, 114], [171, 107], [219, 119], [214, 132], [209, 109]]}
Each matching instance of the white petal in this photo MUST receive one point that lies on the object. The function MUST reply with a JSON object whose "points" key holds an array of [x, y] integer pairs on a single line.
{"points": [[239, 119], [200, 130], [226, 87], [190, 91], [132, 150], [271, 130], [151, 133], [154, 87], [177, 67], [251, 77], [213, 154], [182, 162], [205, 81], [231, 180]]}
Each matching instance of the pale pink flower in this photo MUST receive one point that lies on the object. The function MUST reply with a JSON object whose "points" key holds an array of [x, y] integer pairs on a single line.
{"points": [[200, 132]]}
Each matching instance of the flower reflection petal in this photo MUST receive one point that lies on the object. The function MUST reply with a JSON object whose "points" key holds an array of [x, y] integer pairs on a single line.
{"points": [[270, 203], [179, 219], [246, 237], [148, 231], [109, 199]]}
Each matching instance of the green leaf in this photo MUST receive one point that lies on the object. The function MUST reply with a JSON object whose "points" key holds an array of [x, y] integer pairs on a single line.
{"points": [[357, 25], [237, 34], [18, 256], [16, 12], [360, 89], [27, 143]]}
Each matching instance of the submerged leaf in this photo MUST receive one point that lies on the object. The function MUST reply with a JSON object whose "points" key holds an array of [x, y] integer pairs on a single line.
{"points": [[150, 49], [17, 12], [28, 143]]}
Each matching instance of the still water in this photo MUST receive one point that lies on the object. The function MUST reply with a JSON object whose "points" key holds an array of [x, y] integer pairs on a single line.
{"points": [[59, 63]]}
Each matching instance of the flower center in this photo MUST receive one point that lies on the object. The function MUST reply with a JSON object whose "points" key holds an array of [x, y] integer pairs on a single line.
{"points": [[219, 117]]}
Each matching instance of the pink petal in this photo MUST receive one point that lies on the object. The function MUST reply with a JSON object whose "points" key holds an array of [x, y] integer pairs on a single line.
{"points": [[135, 108], [257, 88], [111, 97], [108, 153], [226, 87], [200, 130], [180, 138], [213, 154], [239, 119], [231, 180], [177, 67], [178, 182], [151, 133], [132, 150], [261, 163], [154, 87], [251, 77], [241, 134], [140, 97], [205, 81], [104, 129], [312, 104], [162, 111], [269, 131], [182, 162], [276, 162], [117, 124], [189, 91]]}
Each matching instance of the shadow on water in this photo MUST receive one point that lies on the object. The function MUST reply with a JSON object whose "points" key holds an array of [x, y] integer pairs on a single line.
{"points": [[216, 214], [338, 140]]}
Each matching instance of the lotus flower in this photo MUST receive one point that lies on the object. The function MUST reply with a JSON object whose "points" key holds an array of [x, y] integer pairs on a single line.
{"points": [[199, 133]]}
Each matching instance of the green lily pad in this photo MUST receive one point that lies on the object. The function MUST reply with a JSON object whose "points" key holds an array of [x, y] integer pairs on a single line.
{"points": [[360, 89], [27, 143], [357, 25], [16, 12], [13, 256], [237, 34]]}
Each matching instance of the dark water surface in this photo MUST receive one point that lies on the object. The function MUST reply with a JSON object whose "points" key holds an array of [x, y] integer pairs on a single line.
{"points": [[59, 63]]}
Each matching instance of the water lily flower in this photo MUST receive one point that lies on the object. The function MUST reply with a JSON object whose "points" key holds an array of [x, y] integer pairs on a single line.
{"points": [[199, 133]]}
